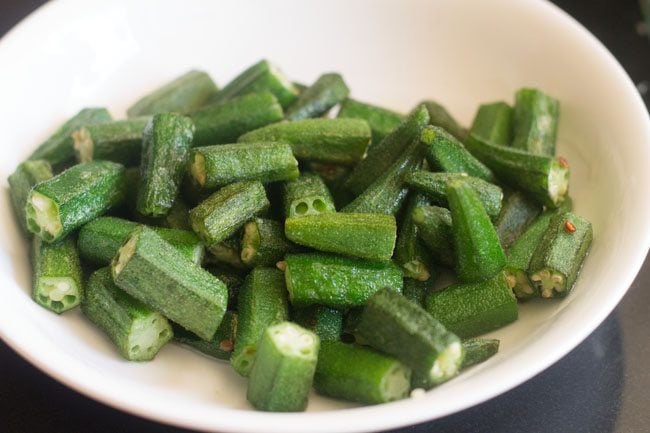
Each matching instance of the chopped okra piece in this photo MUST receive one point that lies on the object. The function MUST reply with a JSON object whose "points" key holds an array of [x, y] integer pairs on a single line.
{"points": [[410, 252], [220, 346], [228, 251], [307, 195], [493, 123], [264, 243], [434, 228], [118, 141], [439, 116], [21, 182], [535, 122], [478, 350], [381, 120], [517, 213], [317, 99], [325, 322]]}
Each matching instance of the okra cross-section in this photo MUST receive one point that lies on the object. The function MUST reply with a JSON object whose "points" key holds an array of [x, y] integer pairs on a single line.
{"points": [[151, 270], [307, 195]]}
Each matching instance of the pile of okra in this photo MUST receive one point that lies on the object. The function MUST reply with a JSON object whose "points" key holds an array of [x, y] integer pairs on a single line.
{"points": [[298, 233]]}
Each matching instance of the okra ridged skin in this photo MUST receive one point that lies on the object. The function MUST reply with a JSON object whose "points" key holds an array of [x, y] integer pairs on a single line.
{"points": [[138, 331], [335, 281], [479, 255], [224, 123], [381, 120], [264, 243], [470, 310], [58, 148], [445, 153], [151, 270], [434, 228], [543, 178], [70, 199], [478, 350], [215, 166], [307, 195], [337, 141], [166, 143], [535, 122], [439, 116], [410, 252], [283, 373], [367, 236], [220, 346], [327, 91], [57, 276], [493, 122], [184, 94], [403, 329], [556, 263], [28, 174], [323, 321], [262, 303], [225, 211], [118, 141], [359, 373], [517, 213]]}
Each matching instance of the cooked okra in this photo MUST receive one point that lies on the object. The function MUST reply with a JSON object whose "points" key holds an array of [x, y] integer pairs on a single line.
{"points": [[307, 195], [410, 252], [535, 122], [493, 123], [517, 212], [317, 99], [325, 322], [118, 141], [434, 228], [220, 346], [478, 350], [381, 120], [264, 243], [439, 116], [226, 252], [27, 175]]}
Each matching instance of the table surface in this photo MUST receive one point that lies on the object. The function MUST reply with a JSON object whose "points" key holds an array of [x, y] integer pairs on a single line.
{"points": [[601, 386]]}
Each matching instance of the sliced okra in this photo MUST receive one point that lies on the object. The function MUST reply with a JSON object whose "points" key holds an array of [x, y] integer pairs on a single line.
{"points": [[478, 350], [327, 91], [264, 243], [27, 175], [220, 346], [434, 228], [439, 116], [118, 141], [493, 122], [535, 122], [517, 212], [381, 120], [323, 321], [307, 195], [410, 252]]}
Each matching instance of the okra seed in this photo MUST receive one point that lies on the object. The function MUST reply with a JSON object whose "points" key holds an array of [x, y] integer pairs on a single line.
{"points": [[569, 227]]}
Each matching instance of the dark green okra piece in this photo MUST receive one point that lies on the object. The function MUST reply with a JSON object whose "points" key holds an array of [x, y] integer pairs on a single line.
{"points": [[138, 331], [434, 228], [165, 151], [381, 120], [385, 153], [283, 372], [434, 185], [327, 91], [227, 252], [478, 350], [232, 277], [535, 122], [403, 329], [337, 282], [224, 123], [493, 123], [544, 178], [469, 310], [118, 141], [517, 212], [368, 236], [307, 195], [338, 141], [100, 240], [264, 243], [220, 346], [58, 148], [439, 116], [325, 322], [184, 94], [57, 277], [415, 290], [358, 373], [228, 209], [445, 153], [410, 252], [215, 166], [27, 175], [479, 255], [262, 303], [151, 270], [70, 199], [260, 77], [556, 263]]}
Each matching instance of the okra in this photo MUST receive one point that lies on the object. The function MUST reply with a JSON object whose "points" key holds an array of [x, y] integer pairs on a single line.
{"points": [[227, 251], [478, 350], [358, 373], [445, 153], [70, 199], [382, 155], [232, 277], [535, 122], [27, 175], [228, 209], [118, 141], [403, 329], [337, 282], [260, 77], [284, 370], [434, 185], [100, 240], [138, 331], [479, 255], [410, 252], [328, 90], [178, 216], [556, 262], [220, 346], [307, 195], [337, 141], [381, 120], [517, 212], [439, 116], [56, 274], [416, 290], [224, 123], [262, 303], [493, 123], [368, 236], [264, 243], [215, 166], [151, 270], [544, 178], [166, 146], [469, 310], [184, 94], [325, 322], [58, 148], [434, 228]]}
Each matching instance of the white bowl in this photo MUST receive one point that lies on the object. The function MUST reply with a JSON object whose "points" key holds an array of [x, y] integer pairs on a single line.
{"points": [[71, 54]]}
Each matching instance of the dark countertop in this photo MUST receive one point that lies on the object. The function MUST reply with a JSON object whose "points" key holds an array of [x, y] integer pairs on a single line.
{"points": [[601, 386]]}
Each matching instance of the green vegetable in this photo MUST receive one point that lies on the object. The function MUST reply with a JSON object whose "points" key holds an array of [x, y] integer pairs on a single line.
{"points": [[440, 117], [317, 99], [307, 195], [380, 120], [118, 141], [27, 175], [325, 322], [493, 123], [227, 251], [535, 122], [264, 243], [517, 212], [220, 346], [415, 290], [410, 252], [434, 229], [478, 350]]}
